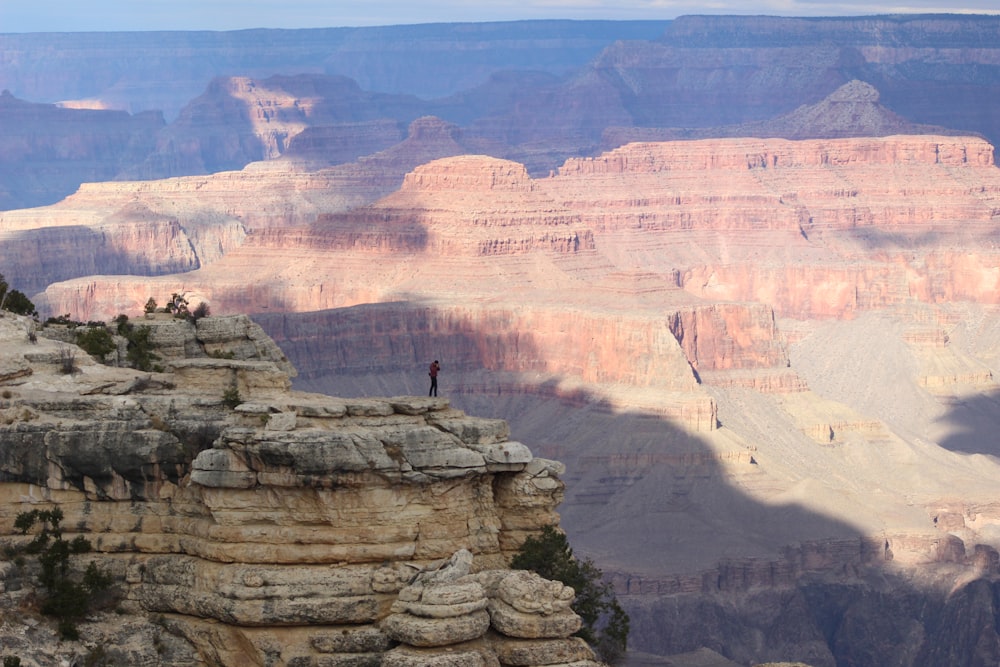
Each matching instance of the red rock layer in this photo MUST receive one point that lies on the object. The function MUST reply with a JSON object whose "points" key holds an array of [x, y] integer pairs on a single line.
{"points": [[703, 238]]}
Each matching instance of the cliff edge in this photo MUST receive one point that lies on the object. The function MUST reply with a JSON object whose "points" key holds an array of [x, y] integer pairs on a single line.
{"points": [[247, 524]]}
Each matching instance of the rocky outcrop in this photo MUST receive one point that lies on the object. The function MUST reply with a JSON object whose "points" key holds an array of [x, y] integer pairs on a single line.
{"points": [[264, 522], [516, 618]]}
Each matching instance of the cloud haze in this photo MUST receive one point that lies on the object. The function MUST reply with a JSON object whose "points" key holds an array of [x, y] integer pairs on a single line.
{"points": [[99, 15]]}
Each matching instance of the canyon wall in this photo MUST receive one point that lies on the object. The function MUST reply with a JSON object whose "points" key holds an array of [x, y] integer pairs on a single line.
{"points": [[655, 266], [528, 95], [163, 70], [47, 151], [768, 364], [740, 347]]}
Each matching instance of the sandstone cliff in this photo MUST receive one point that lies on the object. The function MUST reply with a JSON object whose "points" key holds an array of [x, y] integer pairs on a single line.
{"points": [[278, 528]]}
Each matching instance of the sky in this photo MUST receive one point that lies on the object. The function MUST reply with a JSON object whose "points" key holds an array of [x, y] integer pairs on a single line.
{"points": [[115, 15]]}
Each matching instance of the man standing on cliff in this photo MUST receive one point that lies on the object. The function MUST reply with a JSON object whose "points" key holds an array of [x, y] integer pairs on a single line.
{"points": [[435, 367]]}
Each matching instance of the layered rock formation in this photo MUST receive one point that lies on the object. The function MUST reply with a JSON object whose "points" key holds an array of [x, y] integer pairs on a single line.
{"points": [[152, 228], [770, 365], [528, 95], [764, 360], [264, 526], [808, 229], [47, 151]]}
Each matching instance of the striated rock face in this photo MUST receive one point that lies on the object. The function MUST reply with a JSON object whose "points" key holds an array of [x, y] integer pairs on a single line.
{"points": [[765, 360], [653, 266], [297, 527], [151, 228]]}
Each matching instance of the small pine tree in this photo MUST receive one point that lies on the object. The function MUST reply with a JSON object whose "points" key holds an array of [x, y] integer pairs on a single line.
{"points": [[139, 351], [605, 623], [15, 301], [66, 599], [96, 341]]}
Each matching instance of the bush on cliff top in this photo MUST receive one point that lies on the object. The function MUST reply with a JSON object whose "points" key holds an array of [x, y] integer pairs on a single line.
{"points": [[605, 623], [15, 301], [96, 341]]}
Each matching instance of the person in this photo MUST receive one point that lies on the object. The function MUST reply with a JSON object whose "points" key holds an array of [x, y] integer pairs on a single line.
{"points": [[435, 367]]}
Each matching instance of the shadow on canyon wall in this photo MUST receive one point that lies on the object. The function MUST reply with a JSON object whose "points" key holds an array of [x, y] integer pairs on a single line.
{"points": [[697, 562], [33, 259], [974, 423]]}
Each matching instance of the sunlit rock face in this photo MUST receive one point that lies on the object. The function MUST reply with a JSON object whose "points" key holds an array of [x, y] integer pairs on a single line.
{"points": [[769, 365], [756, 344]]}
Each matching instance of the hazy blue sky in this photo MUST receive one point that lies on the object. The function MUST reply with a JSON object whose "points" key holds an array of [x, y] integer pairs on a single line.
{"points": [[90, 15]]}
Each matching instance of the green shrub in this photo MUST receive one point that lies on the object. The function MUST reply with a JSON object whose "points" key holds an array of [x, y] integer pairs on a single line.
{"points": [[96, 341], [64, 319], [150, 306], [605, 623], [140, 349], [139, 352], [231, 397], [66, 599], [15, 301], [121, 323]]}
